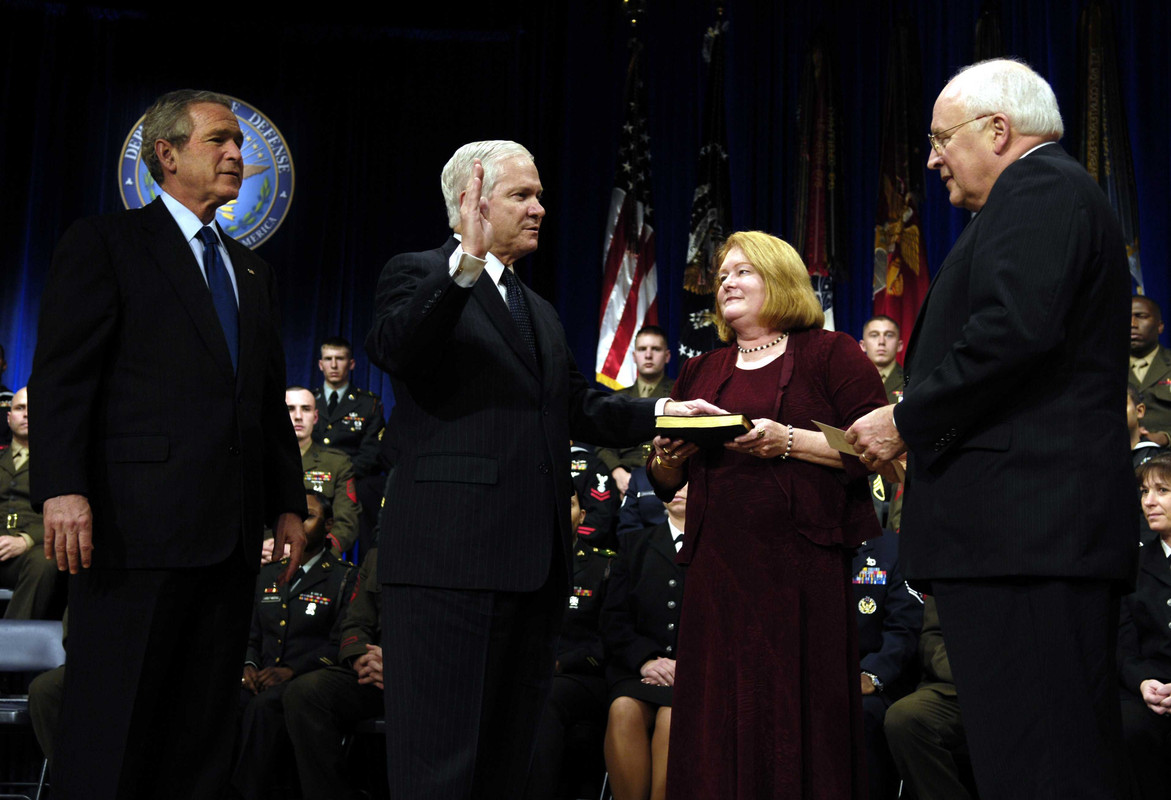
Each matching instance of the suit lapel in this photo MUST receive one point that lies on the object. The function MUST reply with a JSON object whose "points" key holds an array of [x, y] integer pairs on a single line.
{"points": [[488, 296], [165, 243]]}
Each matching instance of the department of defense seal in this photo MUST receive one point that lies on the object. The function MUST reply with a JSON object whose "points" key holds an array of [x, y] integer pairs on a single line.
{"points": [[265, 194]]}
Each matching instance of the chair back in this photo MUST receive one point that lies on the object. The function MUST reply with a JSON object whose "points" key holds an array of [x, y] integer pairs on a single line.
{"points": [[30, 645]]}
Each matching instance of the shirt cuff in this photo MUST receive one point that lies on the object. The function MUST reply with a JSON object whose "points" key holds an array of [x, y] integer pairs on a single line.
{"points": [[660, 405], [28, 540], [894, 421], [465, 268]]}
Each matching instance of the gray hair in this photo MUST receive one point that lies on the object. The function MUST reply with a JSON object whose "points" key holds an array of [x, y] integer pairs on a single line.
{"points": [[1010, 87], [170, 118], [458, 170]]}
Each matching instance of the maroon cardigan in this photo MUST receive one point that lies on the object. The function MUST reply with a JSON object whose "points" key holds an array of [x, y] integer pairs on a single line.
{"points": [[825, 377]]}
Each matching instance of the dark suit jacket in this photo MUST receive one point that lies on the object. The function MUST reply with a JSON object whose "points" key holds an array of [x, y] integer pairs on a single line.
{"points": [[481, 430], [139, 409], [1013, 412], [827, 378], [1144, 637]]}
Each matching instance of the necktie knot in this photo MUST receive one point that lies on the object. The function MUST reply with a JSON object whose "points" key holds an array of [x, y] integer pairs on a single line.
{"points": [[208, 237]]}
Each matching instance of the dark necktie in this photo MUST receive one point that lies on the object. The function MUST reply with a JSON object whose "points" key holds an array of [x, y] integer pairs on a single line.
{"points": [[332, 403], [222, 295], [519, 309]]}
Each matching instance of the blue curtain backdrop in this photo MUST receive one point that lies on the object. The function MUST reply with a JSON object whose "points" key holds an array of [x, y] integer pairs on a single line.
{"points": [[371, 108]]}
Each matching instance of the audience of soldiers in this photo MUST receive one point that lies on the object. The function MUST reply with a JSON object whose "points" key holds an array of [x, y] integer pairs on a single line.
{"points": [[313, 671]]}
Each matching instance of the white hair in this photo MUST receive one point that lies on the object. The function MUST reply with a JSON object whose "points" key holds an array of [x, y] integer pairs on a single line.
{"points": [[458, 170], [1011, 87]]}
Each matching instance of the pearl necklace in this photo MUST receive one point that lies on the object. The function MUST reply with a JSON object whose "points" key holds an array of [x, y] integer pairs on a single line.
{"points": [[777, 340]]}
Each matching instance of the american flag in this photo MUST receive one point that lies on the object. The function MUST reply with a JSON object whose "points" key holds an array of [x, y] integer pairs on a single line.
{"points": [[629, 284]]}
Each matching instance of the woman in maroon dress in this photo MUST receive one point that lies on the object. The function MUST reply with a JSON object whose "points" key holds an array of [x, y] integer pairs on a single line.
{"points": [[767, 700]]}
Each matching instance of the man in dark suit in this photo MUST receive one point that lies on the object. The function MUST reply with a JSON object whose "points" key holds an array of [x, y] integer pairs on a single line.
{"points": [[475, 540], [163, 448], [1019, 509]]}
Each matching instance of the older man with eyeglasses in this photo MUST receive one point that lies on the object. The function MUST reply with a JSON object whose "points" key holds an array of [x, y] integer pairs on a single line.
{"points": [[1019, 510]]}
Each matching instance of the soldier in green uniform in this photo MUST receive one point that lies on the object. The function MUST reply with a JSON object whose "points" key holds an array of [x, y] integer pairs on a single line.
{"points": [[882, 341], [651, 356], [23, 566], [348, 419], [327, 470]]}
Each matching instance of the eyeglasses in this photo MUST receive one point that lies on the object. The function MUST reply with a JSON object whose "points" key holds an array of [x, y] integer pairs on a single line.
{"points": [[939, 140]]}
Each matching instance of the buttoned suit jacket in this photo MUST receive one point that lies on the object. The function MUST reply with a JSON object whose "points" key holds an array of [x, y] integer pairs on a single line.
{"points": [[140, 411], [1156, 389], [1013, 415], [479, 496]]}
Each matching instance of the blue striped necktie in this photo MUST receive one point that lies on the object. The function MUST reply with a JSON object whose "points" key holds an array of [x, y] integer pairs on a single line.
{"points": [[221, 291]]}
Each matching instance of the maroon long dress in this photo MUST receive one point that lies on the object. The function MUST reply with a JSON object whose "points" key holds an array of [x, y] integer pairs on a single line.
{"points": [[767, 695]]}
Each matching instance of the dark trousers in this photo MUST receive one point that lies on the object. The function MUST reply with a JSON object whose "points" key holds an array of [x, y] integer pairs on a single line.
{"points": [[320, 708], [466, 673], [882, 777], [262, 767], [577, 703], [1037, 682], [154, 662], [1148, 747]]}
